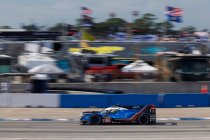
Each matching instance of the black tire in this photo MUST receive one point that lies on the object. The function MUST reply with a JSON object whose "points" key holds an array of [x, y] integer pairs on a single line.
{"points": [[153, 122], [95, 120], [143, 119]]}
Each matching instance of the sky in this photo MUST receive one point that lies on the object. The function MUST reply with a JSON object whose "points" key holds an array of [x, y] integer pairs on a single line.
{"points": [[49, 12]]}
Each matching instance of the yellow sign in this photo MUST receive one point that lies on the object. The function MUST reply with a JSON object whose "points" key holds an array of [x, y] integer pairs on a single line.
{"points": [[99, 50]]}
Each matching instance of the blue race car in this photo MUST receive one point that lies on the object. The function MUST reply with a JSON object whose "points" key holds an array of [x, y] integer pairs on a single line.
{"points": [[143, 115]]}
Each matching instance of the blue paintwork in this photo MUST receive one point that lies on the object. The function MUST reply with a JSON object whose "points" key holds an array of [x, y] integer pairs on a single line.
{"points": [[106, 100], [152, 49], [86, 117], [185, 100], [121, 113], [159, 100]]}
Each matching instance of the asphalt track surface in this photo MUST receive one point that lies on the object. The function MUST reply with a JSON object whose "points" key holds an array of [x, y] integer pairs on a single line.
{"points": [[71, 130]]}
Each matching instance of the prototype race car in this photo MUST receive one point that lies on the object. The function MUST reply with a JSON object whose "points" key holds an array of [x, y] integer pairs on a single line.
{"points": [[143, 115]]}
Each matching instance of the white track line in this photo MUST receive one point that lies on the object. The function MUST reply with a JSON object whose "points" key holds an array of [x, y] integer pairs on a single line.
{"points": [[94, 138]]}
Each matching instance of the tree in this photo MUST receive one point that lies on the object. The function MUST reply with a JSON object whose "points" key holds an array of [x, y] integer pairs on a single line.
{"points": [[6, 27], [146, 23], [167, 27], [31, 27], [205, 30], [159, 28], [149, 20], [101, 28], [116, 24], [59, 27], [188, 29]]}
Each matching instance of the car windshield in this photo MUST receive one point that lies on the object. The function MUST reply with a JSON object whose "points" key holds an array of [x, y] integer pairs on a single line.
{"points": [[112, 110]]}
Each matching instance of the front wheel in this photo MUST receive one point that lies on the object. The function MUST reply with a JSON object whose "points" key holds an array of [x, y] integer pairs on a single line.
{"points": [[95, 120], [143, 119]]}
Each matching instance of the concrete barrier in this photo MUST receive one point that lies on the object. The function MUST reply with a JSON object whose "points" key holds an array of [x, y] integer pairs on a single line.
{"points": [[160, 100], [209, 99], [4, 100], [106, 100], [135, 99], [29, 100], [83, 101], [103, 100], [186, 100]]}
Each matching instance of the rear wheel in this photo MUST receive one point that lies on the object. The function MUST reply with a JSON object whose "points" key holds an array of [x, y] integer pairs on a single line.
{"points": [[95, 120], [143, 119]]}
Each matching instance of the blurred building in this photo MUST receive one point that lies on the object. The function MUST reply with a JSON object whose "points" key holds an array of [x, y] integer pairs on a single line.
{"points": [[23, 35]]}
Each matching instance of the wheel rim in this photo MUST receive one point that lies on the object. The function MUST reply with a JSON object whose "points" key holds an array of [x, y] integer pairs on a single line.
{"points": [[95, 120], [143, 120]]}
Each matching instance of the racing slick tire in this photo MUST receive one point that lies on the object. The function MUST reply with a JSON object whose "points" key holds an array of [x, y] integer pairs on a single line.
{"points": [[143, 119], [95, 119]]}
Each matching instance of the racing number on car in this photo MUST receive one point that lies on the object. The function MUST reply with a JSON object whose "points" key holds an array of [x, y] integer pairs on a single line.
{"points": [[107, 120]]}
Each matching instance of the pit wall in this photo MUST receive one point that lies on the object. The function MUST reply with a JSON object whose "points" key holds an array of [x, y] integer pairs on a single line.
{"points": [[128, 87], [21, 100]]}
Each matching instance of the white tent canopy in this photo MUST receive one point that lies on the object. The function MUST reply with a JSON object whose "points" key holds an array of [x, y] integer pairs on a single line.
{"points": [[46, 69], [35, 47], [32, 47], [139, 66], [206, 34]]}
